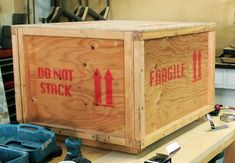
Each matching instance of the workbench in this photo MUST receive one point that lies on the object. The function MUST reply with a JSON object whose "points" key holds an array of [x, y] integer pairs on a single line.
{"points": [[198, 144]]}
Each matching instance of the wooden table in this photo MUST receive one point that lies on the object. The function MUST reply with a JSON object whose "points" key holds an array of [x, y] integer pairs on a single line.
{"points": [[198, 144]]}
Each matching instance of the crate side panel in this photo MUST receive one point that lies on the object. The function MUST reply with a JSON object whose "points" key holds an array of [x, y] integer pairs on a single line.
{"points": [[77, 83], [176, 78]]}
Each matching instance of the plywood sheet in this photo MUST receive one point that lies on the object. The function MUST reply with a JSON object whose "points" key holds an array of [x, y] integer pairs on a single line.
{"points": [[76, 83], [176, 77]]}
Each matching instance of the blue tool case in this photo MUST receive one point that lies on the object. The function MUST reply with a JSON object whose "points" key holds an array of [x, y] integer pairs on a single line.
{"points": [[37, 141], [10, 155]]}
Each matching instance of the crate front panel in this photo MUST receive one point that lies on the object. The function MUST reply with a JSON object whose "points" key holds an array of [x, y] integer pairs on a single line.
{"points": [[176, 78], [76, 83]]}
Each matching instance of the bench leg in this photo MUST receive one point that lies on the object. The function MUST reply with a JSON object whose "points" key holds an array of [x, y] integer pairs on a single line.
{"points": [[229, 153]]}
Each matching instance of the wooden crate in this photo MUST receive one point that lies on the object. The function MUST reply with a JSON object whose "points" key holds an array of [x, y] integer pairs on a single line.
{"points": [[119, 85]]}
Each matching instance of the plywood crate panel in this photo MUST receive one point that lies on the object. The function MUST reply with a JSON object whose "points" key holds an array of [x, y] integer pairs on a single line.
{"points": [[119, 85]]}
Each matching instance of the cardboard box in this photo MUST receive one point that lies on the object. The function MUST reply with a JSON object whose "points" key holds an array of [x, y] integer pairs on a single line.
{"points": [[119, 85]]}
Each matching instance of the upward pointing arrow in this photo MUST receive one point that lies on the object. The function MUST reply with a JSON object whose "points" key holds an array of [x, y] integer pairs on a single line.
{"points": [[109, 90], [97, 82], [194, 66], [199, 64]]}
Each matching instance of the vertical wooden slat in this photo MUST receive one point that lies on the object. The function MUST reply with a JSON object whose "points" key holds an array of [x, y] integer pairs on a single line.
{"points": [[211, 67], [16, 66], [23, 76], [142, 93], [129, 88], [139, 89]]}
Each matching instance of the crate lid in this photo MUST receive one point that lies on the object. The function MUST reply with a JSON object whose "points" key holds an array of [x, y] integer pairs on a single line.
{"points": [[147, 28]]}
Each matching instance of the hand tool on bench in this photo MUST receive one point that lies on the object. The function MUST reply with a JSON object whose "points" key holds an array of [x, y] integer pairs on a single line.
{"points": [[219, 107], [227, 117], [74, 151]]}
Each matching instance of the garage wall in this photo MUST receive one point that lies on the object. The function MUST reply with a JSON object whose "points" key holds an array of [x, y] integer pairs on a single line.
{"points": [[19, 6], [5, 12], [7, 8], [222, 12]]}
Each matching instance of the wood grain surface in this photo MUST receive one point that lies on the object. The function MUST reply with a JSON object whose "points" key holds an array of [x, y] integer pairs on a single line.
{"points": [[198, 144], [78, 108], [116, 84], [148, 28], [174, 97], [229, 153], [17, 83]]}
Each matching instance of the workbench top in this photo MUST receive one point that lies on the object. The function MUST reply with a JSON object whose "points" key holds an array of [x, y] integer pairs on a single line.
{"points": [[198, 144]]}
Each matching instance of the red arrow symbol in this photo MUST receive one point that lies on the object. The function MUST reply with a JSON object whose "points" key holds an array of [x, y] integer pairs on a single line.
{"points": [[194, 66], [109, 90], [199, 64], [97, 82]]}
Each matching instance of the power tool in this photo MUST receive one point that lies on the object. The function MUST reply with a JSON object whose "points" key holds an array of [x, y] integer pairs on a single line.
{"points": [[73, 146]]}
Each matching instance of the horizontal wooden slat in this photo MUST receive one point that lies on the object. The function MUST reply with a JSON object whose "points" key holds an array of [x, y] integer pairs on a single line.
{"points": [[174, 32], [124, 26], [173, 126], [84, 134], [61, 32]]}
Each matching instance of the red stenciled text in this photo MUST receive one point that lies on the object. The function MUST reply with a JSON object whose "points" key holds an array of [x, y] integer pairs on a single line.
{"points": [[164, 74], [56, 89], [55, 74], [60, 74]]}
